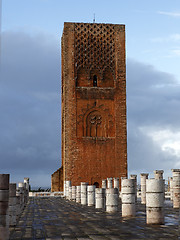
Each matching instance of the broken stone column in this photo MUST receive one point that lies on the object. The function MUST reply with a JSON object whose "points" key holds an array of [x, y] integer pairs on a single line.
{"points": [[64, 189], [12, 204], [128, 197], [112, 196], [18, 205], [26, 181], [134, 176], [4, 205], [158, 174], [100, 197], [144, 176], [171, 188], [104, 182], [20, 192], [84, 193], [91, 195], [154, 201], [68, 184], [25, 194], [70, 193], [116, 183], [109, 183], [176, 188], [74, 193], [78, 194]]}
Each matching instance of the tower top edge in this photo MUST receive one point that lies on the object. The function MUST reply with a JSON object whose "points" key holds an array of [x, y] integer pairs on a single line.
{"points": [[87, 23]]}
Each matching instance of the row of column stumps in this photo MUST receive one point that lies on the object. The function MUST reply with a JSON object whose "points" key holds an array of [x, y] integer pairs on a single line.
{"points": [[152, 194], [174, 186], [12, 202], [105, 198]]}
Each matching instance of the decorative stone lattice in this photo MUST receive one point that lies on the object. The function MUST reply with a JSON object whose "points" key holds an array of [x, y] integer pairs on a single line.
{"points": [[94, 45]]}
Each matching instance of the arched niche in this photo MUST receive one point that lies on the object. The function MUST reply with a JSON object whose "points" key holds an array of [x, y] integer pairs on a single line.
{"points": [[96, 184], [94, 124], [97, 123]]}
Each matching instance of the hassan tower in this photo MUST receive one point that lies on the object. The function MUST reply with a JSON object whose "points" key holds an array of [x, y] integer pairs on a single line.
{"points": [[94, 133]]}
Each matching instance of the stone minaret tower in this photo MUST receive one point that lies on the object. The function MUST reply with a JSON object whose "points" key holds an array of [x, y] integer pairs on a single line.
{"points": [[94, 135]]}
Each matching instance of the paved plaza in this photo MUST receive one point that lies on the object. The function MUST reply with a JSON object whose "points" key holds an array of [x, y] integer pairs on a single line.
{"points": [[57, 218]]}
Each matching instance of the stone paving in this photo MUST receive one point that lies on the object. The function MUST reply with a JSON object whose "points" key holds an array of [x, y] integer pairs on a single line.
{"points": [[57, 218]]}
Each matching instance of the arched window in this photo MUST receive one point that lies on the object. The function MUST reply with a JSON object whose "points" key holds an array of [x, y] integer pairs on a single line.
{"points": [[94, 124], [96, 184], [95, 77], [94, 81]]}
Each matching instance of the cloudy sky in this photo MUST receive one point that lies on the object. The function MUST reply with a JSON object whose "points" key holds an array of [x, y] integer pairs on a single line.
{"points": [[30, 82]]}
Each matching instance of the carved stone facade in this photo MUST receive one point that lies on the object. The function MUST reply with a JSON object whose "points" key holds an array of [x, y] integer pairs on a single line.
{"points": [[94, 136]]}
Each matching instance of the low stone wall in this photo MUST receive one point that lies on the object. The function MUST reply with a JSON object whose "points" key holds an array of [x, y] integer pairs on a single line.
{"points": [[46, 194]]}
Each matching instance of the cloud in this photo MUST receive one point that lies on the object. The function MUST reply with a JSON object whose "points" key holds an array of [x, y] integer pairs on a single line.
{"points": [[175, 37], [176, 52], [165, 42], [171, 38], [153, 125], [167, 140], [171, 14], [30, 103]]}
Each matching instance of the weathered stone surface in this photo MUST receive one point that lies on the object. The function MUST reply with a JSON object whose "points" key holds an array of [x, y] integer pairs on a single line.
{"points": [[112, 199], [109, 182], [144, 176], [84, 193], [128, 197], [4, 205], [176, 188], [104, 183], [4, 181], [100, 198], [134, 176], [4, 195], [78, 194], [12, 189], [74, 193], [57, 180], [91, 195], [158, 174], [155, 201]]}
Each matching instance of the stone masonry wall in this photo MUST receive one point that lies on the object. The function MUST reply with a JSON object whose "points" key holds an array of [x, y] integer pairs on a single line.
{"points": [[57, 180]]}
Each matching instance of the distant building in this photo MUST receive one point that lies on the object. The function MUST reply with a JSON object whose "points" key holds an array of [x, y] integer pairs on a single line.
{"points": [[94, 134]]}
